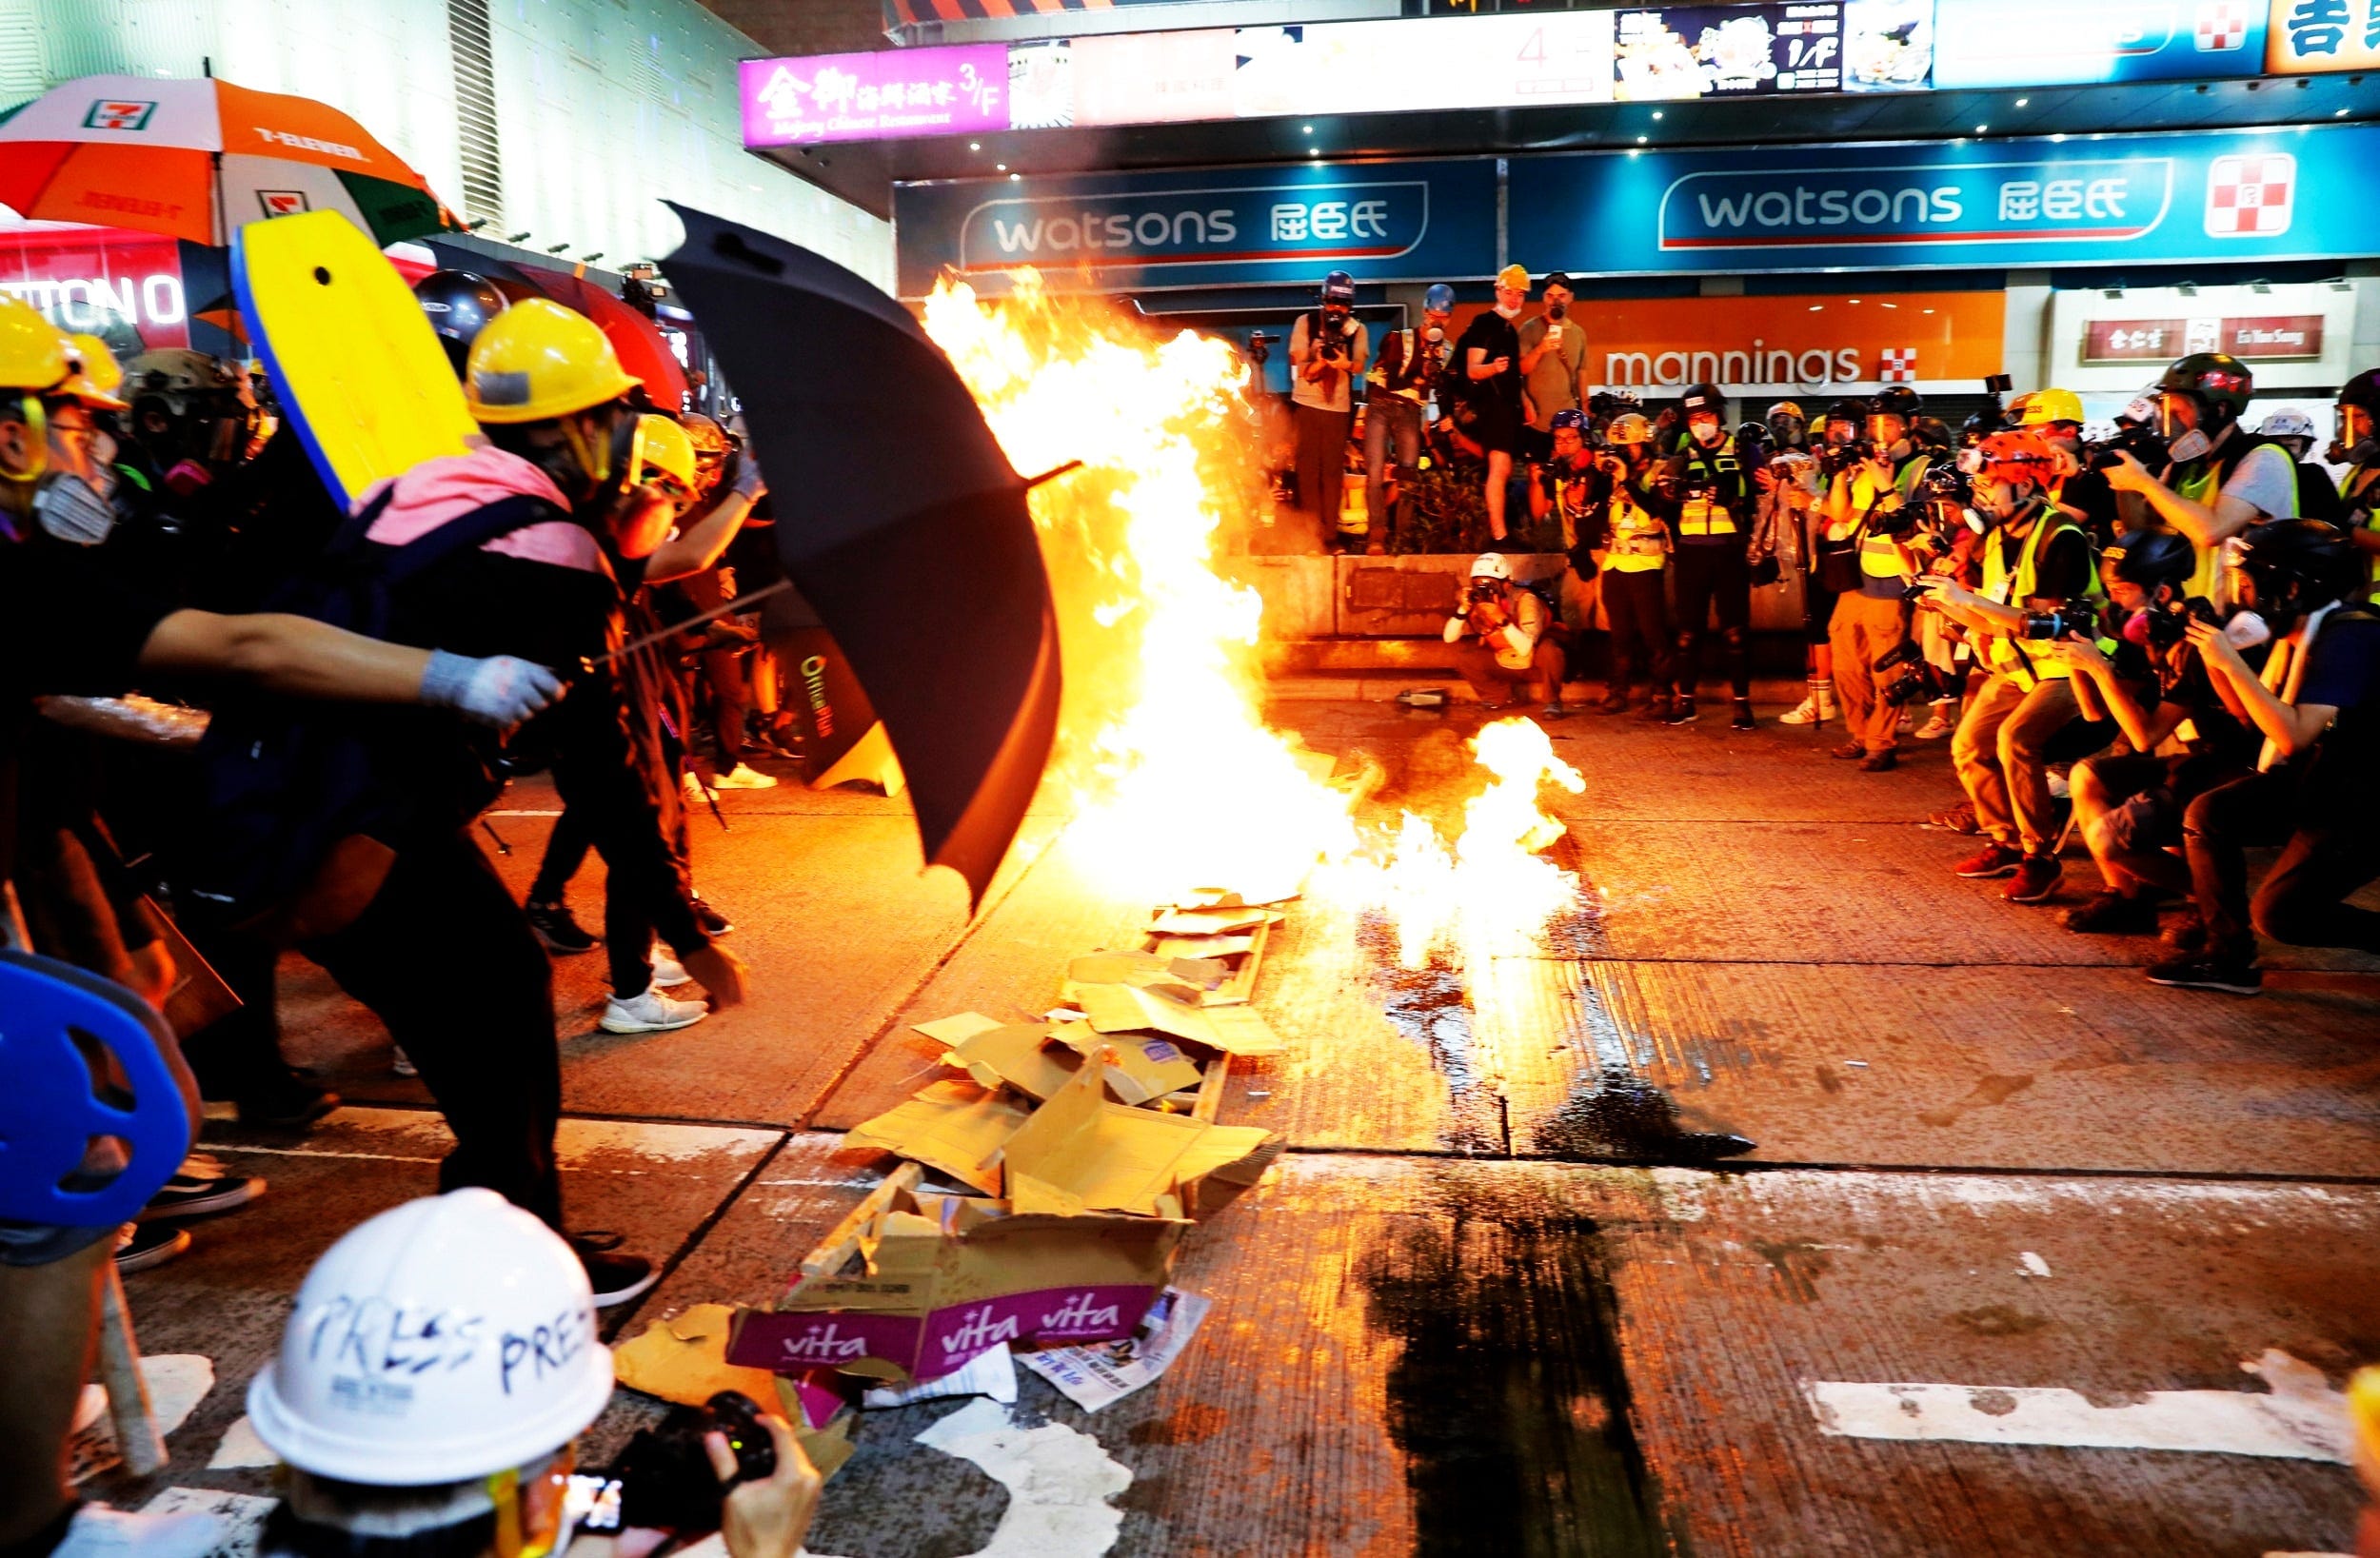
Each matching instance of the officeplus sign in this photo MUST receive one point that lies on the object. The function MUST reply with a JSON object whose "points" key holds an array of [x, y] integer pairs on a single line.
{"points": [[2289, 195], [1386, 221]]}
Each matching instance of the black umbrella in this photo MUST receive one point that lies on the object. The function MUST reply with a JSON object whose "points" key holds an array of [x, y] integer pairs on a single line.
{"points": [[899, 521]]}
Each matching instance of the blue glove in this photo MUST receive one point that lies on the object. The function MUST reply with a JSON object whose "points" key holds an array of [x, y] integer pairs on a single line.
{"points": [[499, 691]]}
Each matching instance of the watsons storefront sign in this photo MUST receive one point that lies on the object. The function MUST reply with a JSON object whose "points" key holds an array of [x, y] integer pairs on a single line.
{"points": [[2286, 194], [1380, 222]]}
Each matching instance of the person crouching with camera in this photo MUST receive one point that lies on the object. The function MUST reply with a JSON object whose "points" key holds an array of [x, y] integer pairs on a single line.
{"points": [[2316, 704], [2129, 805], [432, 1383], [2036, 561], [1506, 638]]}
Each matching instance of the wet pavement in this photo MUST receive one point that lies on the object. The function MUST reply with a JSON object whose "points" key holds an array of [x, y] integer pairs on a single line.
{"points": [[1613, 1257]]}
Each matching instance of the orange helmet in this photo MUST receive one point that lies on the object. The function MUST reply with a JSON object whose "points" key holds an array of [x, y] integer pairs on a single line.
{"points": [[2019, 454]]}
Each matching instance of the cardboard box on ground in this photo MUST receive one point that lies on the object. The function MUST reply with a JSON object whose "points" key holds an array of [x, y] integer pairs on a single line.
{"points": [[1086, 1159]]}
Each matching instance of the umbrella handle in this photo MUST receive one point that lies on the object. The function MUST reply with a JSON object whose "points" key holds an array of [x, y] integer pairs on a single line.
{"points": [[1052, 474]]}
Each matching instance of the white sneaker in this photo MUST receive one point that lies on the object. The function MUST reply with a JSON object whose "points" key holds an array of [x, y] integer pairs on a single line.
{"points": [[667, 972], [400, 1064], [651, 1012], [1907, 723], [1803, 713], [693, 786], [98, 1532], [743, 776], [1940, 725]]}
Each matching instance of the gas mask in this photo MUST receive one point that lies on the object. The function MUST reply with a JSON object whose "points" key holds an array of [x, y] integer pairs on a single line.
{"points": [[2184, 443], [74, 510], [2356, 444], [1434, 334]]}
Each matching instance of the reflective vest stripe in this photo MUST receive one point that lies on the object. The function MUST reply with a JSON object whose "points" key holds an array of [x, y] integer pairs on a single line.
{"points": [[2014, 589]]}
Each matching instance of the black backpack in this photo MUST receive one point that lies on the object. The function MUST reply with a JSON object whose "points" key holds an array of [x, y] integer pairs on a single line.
{"points": [[282, 780]]}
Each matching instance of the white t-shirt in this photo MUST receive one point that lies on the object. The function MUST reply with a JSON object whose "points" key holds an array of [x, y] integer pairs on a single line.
{"points": [[2266, 477]]}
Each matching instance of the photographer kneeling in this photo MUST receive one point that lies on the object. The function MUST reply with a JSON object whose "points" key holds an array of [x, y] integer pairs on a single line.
{"points": [[1505, 639], [2035, 560], [430, 1390], [2130, 806], [2317, 703]]}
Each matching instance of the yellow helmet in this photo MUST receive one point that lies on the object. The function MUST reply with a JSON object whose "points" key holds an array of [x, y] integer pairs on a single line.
{"points": [[33, 350], [96, 374], [1628, 428], [537, 361], [2039, 408], [666, 449]]}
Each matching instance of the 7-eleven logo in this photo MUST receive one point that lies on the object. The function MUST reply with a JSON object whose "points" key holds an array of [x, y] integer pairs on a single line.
{"points": [[118, 113], [282, 202]]}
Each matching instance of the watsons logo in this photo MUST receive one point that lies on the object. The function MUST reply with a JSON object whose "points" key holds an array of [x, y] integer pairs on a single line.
{"points": [[1982, 203], [1301, 222], [823, 1344], [1081, 1312]]}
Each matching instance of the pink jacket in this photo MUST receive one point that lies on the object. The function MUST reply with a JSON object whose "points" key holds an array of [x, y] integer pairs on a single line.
{"points": [[451, 486]]}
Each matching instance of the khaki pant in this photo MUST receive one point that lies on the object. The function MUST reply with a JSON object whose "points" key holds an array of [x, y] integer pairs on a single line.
{"points": [[1864, 627], [1489, 679], [2000, 751]]}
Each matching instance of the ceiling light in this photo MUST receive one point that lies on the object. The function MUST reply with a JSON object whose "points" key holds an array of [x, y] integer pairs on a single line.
{"points": [[975, 146], [1014, 177], [1980, 128], [1818, 307], [1000, 167], [1314, 152], [1656, 113], [2059, 139], [2341, 114], [2022, 101], [1640, 140], [1309, 129]]}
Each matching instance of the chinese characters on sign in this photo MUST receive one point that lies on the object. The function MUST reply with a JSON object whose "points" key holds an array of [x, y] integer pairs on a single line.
{"points": [[875, 96], [2062, 200], [2308, 35], [2293, 338]]}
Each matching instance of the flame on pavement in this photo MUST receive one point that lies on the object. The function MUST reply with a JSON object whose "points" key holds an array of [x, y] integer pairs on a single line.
{"points": [[1178, 782]]}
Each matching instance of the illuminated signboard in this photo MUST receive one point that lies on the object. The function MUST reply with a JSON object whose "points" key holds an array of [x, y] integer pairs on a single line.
{"points": [[1801, 45], [2022, 43], [124, 287], [883, 95], [2305, 36], [2262, 338]]}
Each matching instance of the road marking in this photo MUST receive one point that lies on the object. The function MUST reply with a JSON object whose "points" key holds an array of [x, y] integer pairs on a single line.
{"points": [[2301, 1417]]}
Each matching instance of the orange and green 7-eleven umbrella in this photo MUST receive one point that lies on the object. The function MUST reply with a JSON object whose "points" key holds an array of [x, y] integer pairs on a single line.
{"points": [[200, 159]]}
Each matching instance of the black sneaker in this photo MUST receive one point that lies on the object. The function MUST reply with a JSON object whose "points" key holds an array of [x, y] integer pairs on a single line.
{"points": [[556, 927], [2113, 914], [1656, 710], [2232, 977], [712, 922], [200, 1188], [1556, 710], [287, 1102], [615, 1277], [1682, 712], [139, 1246], [1743, 720], [2188, 934], [1613, 703]]}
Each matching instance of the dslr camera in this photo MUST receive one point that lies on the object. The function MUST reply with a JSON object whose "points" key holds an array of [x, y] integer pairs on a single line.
{"points": [[2080, 617], [2142, 444], [1834, 459], [2168, 624], [1902, 675], [1333, 339], [665, 1474], [1480, 592]]}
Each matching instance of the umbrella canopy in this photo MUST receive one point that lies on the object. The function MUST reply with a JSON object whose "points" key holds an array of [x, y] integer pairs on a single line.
{"points": [[899, 521], [643, 351], [199, 159]]}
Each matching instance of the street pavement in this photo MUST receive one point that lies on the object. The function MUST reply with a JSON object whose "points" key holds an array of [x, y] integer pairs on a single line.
{"points": [[1520, 1285]]}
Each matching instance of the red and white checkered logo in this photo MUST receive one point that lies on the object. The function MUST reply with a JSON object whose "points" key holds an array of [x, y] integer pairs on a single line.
{"points": [[2222, 25], [2250, 196], [1897, 366]]}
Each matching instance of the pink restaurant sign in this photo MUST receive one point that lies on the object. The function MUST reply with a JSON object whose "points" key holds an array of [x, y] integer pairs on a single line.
{"points": [[881, 95]]}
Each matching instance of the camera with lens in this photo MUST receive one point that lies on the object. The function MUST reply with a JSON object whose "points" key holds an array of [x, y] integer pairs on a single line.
{"points": [[1482, 592], [2168, 624], [2142, 444], [1902, 675], [667, 1481], [2078, 616], [1834, 459], [1334, 339]]}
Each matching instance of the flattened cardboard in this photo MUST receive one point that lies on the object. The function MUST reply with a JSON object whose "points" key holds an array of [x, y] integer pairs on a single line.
{"points": [[1209, 921], [952, 1125], [1018, 1055], [1193, 948], [1080, 1149], [956, 1031], [684, 1359], [1235, 1030], [1144, 1067]]}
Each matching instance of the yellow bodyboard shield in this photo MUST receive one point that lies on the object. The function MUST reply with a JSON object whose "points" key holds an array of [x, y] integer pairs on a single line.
{"points": [[357, 367]]}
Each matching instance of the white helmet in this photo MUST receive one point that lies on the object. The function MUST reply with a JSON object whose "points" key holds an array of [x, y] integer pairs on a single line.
{"points": [[1491, 565], [448, 1338], [2287, 422]]}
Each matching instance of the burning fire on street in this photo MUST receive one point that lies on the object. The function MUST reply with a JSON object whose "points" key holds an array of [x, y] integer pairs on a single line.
{"points": [[1180, 783]]}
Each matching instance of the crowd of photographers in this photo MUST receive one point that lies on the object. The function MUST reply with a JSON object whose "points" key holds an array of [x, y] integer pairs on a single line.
{"points": [[2155, 636], [239, 719]]}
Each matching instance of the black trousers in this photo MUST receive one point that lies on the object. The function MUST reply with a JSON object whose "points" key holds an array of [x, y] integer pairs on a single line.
{"points": [[486, 1054], [1640, 620], [1323, 459], [1714, 577], [628, 926], [2327, 851]]}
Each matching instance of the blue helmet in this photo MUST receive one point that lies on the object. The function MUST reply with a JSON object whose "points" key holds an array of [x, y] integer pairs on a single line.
{"points": [[1570, 418], [1338, 288], [1439, 299]]}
